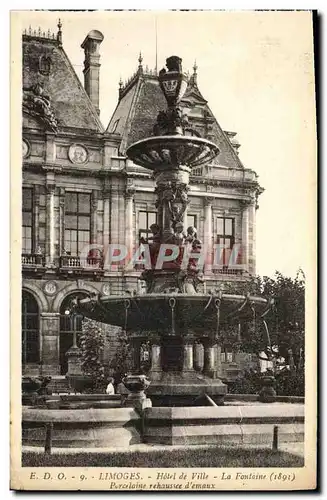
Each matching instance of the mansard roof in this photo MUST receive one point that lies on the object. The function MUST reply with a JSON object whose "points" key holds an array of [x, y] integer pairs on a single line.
{"points": [[49, 75], [140, 102]]}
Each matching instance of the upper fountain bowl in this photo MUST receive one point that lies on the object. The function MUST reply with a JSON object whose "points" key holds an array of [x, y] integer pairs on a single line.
{"points": [[172, 150]]}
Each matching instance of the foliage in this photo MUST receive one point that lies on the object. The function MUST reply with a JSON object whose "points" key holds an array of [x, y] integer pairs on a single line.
{"points": [[287, 383], [122, 362], [249, 383], [285, 320], [92, 344], [290, 382]]}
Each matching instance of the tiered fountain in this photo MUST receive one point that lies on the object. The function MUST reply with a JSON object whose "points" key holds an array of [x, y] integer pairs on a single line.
{"points": [[174, 313]]}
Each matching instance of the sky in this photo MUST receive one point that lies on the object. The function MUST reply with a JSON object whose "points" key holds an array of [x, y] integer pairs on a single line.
{"points": [[255, 69]]}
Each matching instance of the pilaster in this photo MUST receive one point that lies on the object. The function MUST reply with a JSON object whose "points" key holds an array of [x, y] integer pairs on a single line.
{"points": [[49, 336], [207, 237], [50, 219], [36, 204], [94, 217], [129, 204], [245, 235], [61, 220]]}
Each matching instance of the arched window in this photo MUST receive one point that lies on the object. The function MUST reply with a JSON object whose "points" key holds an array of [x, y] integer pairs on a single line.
{"points": [[69, 323], [30, 330]]}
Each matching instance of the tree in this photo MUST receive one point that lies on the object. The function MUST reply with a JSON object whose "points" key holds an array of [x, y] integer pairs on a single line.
{"points": [[92, 344], [285, 320]]}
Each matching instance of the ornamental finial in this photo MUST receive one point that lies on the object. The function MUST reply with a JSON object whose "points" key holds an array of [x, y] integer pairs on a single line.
{"points": [[195, 67], [59, 34], [140, 60], [195, 75]]}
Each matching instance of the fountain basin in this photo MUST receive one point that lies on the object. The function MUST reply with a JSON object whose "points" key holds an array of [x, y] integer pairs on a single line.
{"points": [[122, 427], [169, 150], [85, 428], [153, 311], [236, 425]]}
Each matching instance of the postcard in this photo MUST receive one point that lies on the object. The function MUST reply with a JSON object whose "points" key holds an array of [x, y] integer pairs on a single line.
{"points": [[163, 272]]}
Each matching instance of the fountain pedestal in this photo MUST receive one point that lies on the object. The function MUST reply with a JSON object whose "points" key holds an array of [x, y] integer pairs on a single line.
{"points": [[174, 382], [74, 359], [137, 385]]}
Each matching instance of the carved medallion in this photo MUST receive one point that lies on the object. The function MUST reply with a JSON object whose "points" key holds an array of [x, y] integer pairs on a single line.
{"points": [[78, 154], [106, 289], [50, 288], [26, 149]]}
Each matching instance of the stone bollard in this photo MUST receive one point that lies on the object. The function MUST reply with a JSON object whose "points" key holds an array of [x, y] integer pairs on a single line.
{"points": [[267, 393]]}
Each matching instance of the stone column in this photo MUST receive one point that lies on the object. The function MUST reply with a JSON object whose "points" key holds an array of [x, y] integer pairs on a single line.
{"points": [[209, 365], [36, 200], [245, 235], [94, 217], [106, 225], [188, 353], [218, 360], [50, 224], [50, 332], [129, 240], [207, 239], [252, 236], [114, 216], [61, 221], [155, 357], [198, 356]]}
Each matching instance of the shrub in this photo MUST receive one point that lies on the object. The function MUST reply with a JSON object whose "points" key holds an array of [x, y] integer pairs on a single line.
{"points": [[290, 382], [122, 362], [92, 344]]}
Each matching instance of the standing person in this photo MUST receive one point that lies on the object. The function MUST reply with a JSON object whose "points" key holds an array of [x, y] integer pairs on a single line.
{"points": [[110, 387]]}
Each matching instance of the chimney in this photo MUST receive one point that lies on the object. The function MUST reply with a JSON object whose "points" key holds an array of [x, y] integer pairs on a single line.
{"points": [[91, 69]]}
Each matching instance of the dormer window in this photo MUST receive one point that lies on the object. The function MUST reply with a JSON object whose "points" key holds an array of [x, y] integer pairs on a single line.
{"points": [[115, 126], [44, 65]]}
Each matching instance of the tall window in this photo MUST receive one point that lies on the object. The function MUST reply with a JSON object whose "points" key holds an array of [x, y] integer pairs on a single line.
{"points": [[77, 222], [27, 236], [225, 237], [145, 221], [30, 330], [191, 220]]}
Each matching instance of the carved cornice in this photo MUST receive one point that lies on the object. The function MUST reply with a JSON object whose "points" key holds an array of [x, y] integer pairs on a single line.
{"points": [[50, 167], [253, 185]]}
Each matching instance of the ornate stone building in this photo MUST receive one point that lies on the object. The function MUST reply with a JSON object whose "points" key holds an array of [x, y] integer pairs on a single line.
{"points": [[79, 189]]}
